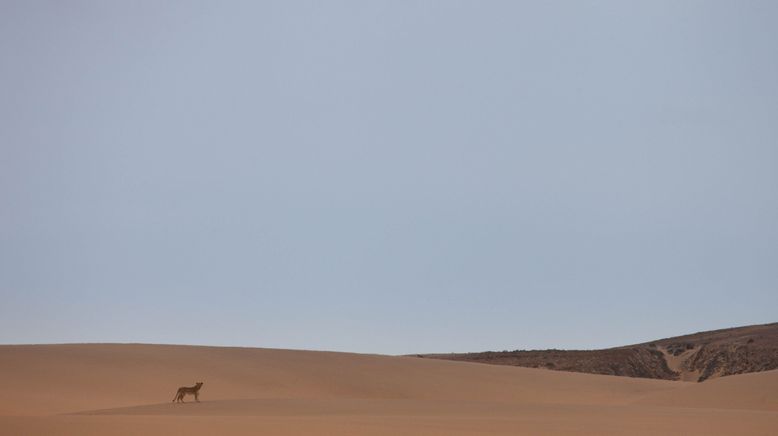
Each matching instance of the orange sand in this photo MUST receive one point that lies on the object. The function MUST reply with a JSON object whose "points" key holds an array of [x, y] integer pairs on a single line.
{"points": [[105, 389]]}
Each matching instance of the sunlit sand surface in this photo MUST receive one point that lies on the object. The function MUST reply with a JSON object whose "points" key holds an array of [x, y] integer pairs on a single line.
{"points": [[106, 389]]}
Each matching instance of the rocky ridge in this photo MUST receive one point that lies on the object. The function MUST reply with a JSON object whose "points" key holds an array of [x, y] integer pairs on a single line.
{"points": [[695, 357]]}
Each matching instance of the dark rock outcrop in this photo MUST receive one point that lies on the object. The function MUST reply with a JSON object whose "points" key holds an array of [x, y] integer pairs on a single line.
{"points": [[700, 356]]}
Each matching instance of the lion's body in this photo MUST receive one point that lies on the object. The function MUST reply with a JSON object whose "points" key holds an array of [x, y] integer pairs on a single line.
{"points": [[194, 390]]}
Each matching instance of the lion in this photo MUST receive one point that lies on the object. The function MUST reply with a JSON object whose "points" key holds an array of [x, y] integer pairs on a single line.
{"points": [[194, 390]]}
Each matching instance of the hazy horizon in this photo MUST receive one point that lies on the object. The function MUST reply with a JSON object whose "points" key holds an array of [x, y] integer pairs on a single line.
{"points": [[227, 345], [387, 177]]}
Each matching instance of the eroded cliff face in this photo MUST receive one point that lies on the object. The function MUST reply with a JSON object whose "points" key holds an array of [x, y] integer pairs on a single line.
{"points": [[717, 360], [724, 352], [695, 357]]}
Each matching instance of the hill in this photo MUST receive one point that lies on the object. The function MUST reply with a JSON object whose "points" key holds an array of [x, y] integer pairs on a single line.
{"points": [[695, 357]]}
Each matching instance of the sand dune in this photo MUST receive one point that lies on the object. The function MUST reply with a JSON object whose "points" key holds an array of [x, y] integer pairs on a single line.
{"points": [[127, 389], [755, 391]]}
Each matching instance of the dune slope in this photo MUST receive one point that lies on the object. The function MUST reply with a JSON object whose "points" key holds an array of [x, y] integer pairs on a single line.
{"points": [[127, 389]]}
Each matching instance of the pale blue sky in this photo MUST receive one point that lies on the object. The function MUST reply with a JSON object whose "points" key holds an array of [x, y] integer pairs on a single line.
{"points": [[391, 177]]}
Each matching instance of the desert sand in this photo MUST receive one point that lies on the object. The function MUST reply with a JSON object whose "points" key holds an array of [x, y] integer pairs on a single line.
{"points": [[107, 389]]}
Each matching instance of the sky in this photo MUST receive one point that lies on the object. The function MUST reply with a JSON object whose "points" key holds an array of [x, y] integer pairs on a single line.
{"points": [[387, 176]]}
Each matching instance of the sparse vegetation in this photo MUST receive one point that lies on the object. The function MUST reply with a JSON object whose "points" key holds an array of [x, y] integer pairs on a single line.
{"points": [[709, 354]]}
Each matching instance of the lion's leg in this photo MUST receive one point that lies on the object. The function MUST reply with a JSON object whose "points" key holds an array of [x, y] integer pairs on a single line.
{"points": [[197, 396]]}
